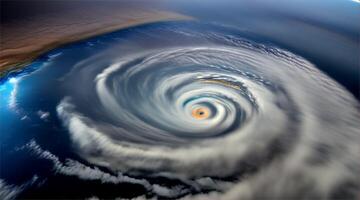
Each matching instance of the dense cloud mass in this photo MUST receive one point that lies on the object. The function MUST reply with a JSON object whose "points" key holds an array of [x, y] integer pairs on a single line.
{"points": [[233, 118]]}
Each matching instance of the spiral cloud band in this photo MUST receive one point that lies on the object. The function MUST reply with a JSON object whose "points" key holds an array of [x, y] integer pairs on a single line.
{"points": [[259, 118]]}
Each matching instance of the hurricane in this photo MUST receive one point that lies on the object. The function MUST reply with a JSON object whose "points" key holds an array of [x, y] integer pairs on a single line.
{"points": [[227, 116]]}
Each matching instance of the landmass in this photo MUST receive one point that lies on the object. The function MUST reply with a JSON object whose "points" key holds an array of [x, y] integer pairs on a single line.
{"points": [[24, 40]]}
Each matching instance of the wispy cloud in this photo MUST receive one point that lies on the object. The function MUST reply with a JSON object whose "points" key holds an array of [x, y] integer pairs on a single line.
{"points": [[74, 168], [43, 115], [9, 192]]}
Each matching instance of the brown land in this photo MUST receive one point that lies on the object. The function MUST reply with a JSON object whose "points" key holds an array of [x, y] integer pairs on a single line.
{"points": [[24, 40]]}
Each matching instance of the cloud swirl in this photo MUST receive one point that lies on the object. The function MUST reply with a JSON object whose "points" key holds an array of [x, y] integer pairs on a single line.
{"points": [[226, 108]]}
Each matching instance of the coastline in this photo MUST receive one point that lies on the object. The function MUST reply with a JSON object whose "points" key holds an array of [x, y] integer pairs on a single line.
{"points": [[20, 47]]}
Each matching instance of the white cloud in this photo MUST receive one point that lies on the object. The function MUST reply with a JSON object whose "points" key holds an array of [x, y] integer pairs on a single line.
{"points": [[43, 115], [8, 192], [25, 117], [172, 192], [74, 168], [13, 94]]}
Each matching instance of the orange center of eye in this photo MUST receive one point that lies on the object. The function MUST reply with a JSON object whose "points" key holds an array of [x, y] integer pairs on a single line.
{"points": [[200, 113]]}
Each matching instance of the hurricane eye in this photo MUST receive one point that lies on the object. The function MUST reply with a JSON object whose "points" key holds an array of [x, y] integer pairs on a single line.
{"points": [[200, 113]]}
